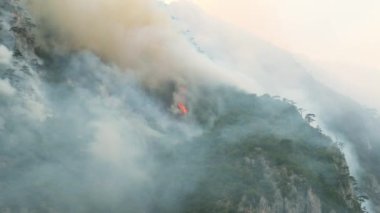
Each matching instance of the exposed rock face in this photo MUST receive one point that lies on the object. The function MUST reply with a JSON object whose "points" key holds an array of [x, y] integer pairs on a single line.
{"points": [[313, 204], [295, 199], [372, 186]]}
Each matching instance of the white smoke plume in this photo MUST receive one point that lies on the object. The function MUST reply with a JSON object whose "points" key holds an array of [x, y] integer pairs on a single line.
{"points": [[102, 119], [5, 55], [134, 34]]}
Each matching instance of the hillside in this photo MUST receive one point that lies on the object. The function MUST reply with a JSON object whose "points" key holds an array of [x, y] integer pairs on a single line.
{"points": [[277, 72], [78, 134]]}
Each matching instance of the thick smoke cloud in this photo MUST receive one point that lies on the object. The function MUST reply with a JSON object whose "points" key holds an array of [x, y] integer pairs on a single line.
{"points": [[84, 124], [135, 35], [97, 123], [84, 141]]}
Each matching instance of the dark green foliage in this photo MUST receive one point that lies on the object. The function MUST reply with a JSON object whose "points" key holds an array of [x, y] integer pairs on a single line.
{"points": [[253, 146], [250, 148]]}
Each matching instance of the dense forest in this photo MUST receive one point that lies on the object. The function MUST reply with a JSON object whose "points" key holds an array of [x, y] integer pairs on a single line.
{"points": [[79, 135]]}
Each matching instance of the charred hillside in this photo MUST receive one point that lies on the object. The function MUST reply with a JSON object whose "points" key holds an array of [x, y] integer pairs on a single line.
{"points": [[80, 135]]}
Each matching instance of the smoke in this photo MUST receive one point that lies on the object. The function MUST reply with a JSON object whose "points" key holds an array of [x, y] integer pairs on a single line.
{"points": [[86, 141], [5, 55], [357, 82], [135, 35], [6, 88], [275, 71], [324, 32], [88, 129]]}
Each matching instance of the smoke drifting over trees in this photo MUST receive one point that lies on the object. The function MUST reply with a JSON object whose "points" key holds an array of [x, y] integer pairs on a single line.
{"points": [[86, 123]]}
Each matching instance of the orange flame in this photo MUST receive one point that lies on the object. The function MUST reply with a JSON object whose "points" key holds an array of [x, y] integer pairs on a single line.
{"points": [[182, 108]]}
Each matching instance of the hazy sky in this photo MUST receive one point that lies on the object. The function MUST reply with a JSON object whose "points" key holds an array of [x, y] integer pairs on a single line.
{"points": [[329, 30], [340, 36]]}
